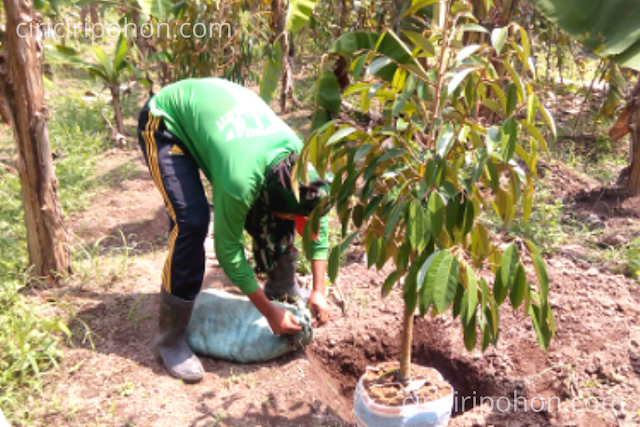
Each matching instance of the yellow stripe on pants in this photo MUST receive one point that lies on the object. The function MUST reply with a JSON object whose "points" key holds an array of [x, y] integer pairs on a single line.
{"points": [[154, 167]]}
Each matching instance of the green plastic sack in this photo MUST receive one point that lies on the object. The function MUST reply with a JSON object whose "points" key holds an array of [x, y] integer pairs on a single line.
{"points": [[226, 326]]}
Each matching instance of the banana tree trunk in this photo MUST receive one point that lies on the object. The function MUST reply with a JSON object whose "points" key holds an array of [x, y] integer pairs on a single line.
{"points": [[22, 93], [629, 123], [633, 185], [117, 109]]}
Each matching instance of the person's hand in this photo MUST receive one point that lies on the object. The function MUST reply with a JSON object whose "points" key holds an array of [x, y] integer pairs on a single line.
{"points": [[319, 308], [283, 322]]}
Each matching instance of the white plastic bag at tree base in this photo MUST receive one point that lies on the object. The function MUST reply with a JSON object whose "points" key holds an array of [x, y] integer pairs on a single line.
{"points": [[3, 421], [229, 327], [426, 414]]}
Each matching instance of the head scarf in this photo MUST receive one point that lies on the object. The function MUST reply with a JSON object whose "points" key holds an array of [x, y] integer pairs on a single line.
{"points": [[273, 235]]}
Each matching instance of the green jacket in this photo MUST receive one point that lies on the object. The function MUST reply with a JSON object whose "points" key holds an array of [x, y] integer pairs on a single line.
{"points": [[234, 137]]}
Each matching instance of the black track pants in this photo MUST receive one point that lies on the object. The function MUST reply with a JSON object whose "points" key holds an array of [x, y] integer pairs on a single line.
{"points": [[177, 176]]}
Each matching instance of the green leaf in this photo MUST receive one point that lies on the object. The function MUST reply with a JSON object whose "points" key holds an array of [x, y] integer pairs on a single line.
{"points": [[410, 290], [417, 5], [372, 251], [298, 14], [340, 135], [607, 27], [494, 179], [442, 279], [382, 255], [321, 117], [535, 133], [417, 225], [512, 99], [527, 205], [518, 288], [469, 333], [451, 217], [458, 78], [510, 261], [402, 259], [328, 92], [515, 77], [345, 244], [474, 27], [391, 154], [104, 63], [394, 217], [47, 83], [334, 263], [66, 50], [548, 118], [499, 38], [120, 52], [494, 106], [466, 52], [509, 138], [156, 8], [479, 242], [362, 152], [469, 217], [421, 41], [445, 140], [540, 325], [356, 216], [543, 278], [532, 106], [436, 212], [389, 283], [271, 73], [372, 206], [499, 287], [526, 48], [426, 292], [348, 44], [471, 296], [431, 171], [378, 64], [38, 5]]}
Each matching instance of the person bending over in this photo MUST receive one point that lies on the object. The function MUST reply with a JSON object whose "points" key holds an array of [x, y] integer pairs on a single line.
{"points": [[247, 153]]}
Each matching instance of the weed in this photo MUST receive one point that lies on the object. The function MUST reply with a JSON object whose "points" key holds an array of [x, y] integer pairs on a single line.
{"points": [[133, 311], [126, 389]]}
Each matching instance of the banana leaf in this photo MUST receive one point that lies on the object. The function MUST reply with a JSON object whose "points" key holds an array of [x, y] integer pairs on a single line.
{"points": [[610, 28]]}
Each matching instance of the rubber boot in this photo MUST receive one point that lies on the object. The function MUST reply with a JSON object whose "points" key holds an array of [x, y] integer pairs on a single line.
{"points": [[281, 285], [171, 343]]}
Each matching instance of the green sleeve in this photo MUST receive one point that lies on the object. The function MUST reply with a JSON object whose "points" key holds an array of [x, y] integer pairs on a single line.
{"points": [[229, 218], [319, 248]]}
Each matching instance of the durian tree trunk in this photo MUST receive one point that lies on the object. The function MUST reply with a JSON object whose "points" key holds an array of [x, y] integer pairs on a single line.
{"points": [[22, 96], [404, 373]]}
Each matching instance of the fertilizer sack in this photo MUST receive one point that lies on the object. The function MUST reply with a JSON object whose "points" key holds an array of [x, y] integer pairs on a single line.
{"points": [[229, 327]]}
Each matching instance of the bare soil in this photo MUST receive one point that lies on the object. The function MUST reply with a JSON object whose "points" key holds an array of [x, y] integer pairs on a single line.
{"points": [[589, 377]]}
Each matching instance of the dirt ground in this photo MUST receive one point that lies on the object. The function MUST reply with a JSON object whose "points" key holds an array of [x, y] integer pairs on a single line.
{"points": [[109, 376]]}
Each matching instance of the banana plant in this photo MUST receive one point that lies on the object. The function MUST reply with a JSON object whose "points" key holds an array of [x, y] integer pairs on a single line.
{"points": [[110, 69], [277, 67], [610, 28], [417, 168]]}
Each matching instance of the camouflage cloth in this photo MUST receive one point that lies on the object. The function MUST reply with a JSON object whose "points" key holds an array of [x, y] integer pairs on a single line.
{"points": [[273, 235]]}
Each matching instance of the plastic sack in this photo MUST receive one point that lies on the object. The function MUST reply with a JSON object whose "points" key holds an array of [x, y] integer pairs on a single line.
{"points": [[226, 326], [3, 421], [435, 413]]}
